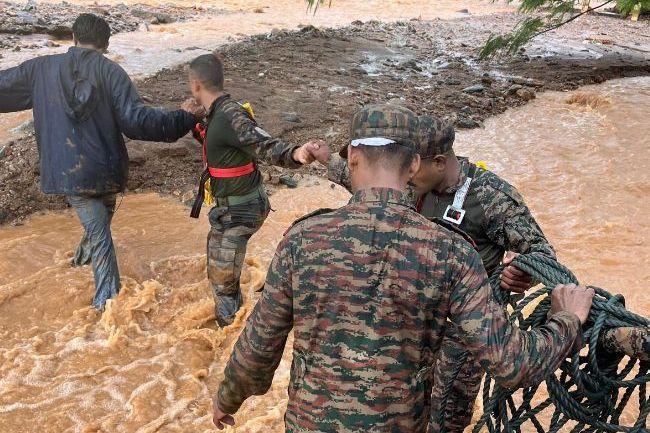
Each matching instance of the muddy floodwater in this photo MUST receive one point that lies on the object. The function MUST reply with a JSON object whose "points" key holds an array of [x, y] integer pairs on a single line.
{"points": [[151, 362]]}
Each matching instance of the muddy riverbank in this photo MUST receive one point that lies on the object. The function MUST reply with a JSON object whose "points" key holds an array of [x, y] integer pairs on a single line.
{"points": [[305, 84], [55, 19]]}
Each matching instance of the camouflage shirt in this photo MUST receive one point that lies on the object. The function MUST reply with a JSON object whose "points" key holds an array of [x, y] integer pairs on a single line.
{"points": [[368, 290], [234, 139], [496, 218]]}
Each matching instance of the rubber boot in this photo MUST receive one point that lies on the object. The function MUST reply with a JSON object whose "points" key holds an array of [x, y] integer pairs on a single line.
{"points": [[226, 308]]}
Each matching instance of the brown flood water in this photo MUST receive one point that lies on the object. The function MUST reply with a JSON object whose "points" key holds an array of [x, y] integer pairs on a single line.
{"points": [[152, 361]]}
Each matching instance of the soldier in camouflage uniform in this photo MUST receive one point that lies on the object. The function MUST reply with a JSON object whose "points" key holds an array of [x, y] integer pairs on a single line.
{"points": [[497, 220], [232, 145], [369, 290]]}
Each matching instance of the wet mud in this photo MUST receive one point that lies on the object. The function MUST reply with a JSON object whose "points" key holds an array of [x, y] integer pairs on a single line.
{"points": [[305, 84]]}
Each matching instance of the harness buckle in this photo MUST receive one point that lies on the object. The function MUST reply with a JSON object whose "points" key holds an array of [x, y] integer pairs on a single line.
{"points": [[454, 215]]}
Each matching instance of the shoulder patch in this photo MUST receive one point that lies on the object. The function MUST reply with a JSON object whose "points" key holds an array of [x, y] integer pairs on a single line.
{"points": [[452, 228], [309, 215]]}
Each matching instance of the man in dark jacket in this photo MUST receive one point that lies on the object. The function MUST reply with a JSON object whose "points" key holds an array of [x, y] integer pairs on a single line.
{"points": [[82, 105]]}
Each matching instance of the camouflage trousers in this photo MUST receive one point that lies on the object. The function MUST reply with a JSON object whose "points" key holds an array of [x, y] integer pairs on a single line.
{"points": [[231, 228], [460, 404]]}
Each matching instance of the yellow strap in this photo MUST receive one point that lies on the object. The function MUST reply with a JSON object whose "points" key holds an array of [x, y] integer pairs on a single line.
{"points": [[208, 198], [248, 107], [481, 165]]}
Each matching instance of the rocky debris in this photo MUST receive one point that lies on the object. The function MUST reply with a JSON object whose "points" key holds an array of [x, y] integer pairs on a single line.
{"points": [[513, 89], [525, 94], [56, 19], [5, 150], [467, 123], [324, 102], [527, 82], [476, 88], [291, 117], [288, 180]]}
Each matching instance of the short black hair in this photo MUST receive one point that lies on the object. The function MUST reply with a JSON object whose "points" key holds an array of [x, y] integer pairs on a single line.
{"points": [[208, 69], [89, 29], [390, 156]]}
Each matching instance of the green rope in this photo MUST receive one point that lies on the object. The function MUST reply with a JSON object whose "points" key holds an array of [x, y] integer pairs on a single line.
{"points": [[584, 392]]}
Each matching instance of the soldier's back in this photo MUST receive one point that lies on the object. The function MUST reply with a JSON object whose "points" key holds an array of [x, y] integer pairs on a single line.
{"points": [[371, 288]]}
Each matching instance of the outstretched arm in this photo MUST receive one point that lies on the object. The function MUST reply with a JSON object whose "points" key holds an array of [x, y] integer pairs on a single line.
{"points": [[258, 350], [258, 143], [140, 122], [15, 89]]}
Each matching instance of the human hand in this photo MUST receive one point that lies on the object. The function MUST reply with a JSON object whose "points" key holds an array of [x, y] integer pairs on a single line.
{"points": [[514, 279], [320, 150], [305, 154], [191, 106], [573, 299], [221, 419]]}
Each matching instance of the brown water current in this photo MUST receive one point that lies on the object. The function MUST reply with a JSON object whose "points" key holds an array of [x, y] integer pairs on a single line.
{"points": [[152, 361]]}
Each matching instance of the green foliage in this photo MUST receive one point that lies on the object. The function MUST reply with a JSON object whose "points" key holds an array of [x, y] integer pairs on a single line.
{"points": [[551, 14], [313, 4], [511, 42], [627, 6]]}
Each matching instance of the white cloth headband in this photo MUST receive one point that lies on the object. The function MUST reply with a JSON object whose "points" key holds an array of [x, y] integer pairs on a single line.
{"points": [[372, 141]]}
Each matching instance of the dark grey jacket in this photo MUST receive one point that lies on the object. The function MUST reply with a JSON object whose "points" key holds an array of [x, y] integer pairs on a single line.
{"points": [[82, 104]]}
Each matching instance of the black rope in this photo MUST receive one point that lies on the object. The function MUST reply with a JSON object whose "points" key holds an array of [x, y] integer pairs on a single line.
{"points": [[587, 391]]}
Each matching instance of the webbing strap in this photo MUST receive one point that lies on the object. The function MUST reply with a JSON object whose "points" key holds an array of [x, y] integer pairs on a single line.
{"points": [[225, 173], [461, 194]]}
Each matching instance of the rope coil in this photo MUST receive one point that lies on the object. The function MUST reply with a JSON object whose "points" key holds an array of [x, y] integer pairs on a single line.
{"points": [[589, 390]]}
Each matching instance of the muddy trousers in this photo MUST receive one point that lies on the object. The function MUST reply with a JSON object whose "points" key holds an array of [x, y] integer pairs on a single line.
{"points": [[231, 228], [95, 214], [463, 392]]}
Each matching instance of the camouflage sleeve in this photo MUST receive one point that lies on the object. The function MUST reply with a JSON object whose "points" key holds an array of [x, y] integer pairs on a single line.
{"points": [[258, 143], [511, 225], [634, 342], [338, 171], [258, 350], [513, 357]]}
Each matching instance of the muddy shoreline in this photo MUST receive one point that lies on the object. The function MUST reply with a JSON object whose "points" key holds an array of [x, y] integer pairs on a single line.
{"points": [[305, 84]]}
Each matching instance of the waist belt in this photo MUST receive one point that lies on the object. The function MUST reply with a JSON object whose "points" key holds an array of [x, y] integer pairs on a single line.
{"points": [[235, 200]]}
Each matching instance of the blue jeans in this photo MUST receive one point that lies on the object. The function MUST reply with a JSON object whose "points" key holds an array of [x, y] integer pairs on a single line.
{"points": [[95, 214]]}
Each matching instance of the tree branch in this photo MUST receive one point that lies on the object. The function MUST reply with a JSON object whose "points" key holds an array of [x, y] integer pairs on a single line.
{"points": [[571, 19]]}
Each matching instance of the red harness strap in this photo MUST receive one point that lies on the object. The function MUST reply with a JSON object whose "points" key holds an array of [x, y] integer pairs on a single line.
{"points": [[221, 173]]}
